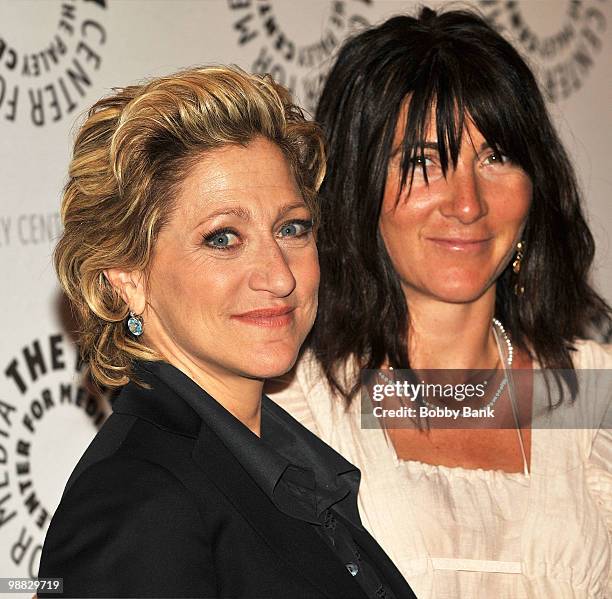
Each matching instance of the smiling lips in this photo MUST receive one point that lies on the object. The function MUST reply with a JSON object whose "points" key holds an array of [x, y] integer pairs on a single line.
{"points": [[267, 317], [458, 244]]}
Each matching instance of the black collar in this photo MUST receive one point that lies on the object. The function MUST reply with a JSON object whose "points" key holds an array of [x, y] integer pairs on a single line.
{"points": [[286, 455]]}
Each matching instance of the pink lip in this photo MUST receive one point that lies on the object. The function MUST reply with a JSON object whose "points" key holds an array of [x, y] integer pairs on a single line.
{"points": [[457, 244], [267, 317]]}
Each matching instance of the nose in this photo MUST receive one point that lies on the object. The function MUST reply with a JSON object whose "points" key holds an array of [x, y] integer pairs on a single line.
{"points": [[271, 271], [465, 201]]}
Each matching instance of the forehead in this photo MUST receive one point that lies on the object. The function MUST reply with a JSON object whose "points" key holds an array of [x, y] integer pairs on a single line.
{"points": [[427, 130], [257, 175], [261, 163]]}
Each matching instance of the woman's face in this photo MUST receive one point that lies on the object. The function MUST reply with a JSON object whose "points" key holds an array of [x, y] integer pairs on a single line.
{"points": [[450, 239], [234, 274]]}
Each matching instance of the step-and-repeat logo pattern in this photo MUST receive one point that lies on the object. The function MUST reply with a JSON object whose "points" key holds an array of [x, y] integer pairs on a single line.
{"points": [[563, 39], [294, 53], [43, 80], [54, 55], [48, 412]]}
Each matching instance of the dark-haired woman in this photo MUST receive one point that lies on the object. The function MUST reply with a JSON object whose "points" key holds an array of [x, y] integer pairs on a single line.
{"points": [[452, 237]]}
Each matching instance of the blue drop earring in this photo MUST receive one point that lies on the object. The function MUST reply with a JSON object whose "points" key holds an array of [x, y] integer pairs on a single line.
{"points": [[135, 324]]}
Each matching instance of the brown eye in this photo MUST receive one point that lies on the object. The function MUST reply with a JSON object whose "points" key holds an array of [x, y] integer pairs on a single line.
{"points": [[422, 161], [497, 158]]}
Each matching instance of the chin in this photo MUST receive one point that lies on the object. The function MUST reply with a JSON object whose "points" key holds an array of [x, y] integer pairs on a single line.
{"points": [[267, 363], [460, 294]]}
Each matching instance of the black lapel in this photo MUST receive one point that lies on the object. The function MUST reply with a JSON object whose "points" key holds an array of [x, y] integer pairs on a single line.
{"points": [[294, 541]]}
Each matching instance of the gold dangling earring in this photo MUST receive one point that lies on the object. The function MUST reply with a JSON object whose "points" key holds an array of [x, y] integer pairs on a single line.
{"points": [[516, 266]]}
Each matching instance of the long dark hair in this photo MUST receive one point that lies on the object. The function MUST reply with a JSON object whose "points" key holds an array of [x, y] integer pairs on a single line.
{"points": [[455, 64]]}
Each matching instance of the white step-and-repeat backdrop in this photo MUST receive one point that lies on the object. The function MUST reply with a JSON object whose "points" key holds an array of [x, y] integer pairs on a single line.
{"points": [[57, 57]]}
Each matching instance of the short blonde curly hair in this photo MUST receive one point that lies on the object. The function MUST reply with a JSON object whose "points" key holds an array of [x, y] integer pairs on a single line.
{"points": [[130, 156]]}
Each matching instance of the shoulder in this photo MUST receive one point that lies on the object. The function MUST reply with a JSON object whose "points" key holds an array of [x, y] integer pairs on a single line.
{"points": [[589, 354], [126, 490], [125, 435], [592, 409], [287, 391], [309, 378], [127, 526], [132, 472], [303, 392]]}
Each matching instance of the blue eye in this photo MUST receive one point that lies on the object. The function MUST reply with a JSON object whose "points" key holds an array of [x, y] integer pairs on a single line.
{"points": [[222, 239], [296, 228]]}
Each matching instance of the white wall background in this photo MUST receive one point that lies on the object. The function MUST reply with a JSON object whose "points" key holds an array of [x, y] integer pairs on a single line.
{"points": [[58, 57]]}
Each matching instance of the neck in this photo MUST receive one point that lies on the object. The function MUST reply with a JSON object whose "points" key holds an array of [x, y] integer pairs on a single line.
{"points": [[239, 395], [451, 336]]}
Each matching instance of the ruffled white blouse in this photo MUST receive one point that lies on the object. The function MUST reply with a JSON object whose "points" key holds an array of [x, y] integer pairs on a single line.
{"points": [[460, 533]]}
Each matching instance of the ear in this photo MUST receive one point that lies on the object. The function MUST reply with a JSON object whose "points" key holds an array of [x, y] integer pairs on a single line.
{"points": [[129, 284]]}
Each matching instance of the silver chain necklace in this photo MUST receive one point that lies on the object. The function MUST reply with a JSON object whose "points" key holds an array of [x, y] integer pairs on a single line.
{"points": [[504, 382]]}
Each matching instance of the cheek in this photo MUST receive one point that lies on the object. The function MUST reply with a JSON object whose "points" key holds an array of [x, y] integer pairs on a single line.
{"points": [[509, 217], [400, 229], [527, 194], [404, 213], [305, 268], [196, 289], [313, 275], [517, 193]]}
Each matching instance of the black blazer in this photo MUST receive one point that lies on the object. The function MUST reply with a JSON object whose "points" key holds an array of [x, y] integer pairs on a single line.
{"points": [[159, 507]]}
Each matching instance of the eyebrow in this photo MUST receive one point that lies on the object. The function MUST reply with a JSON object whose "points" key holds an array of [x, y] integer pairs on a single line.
{"points": [[241, 213], [427, 145], [433, 145], [247, 215], [289, 207]]}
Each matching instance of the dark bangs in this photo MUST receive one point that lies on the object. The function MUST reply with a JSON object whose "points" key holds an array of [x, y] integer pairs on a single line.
{"points": [[454, 65], [455, 80]]}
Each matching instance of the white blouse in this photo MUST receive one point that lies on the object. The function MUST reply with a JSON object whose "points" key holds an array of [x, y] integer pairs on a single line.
{"points": [[462, 533]]}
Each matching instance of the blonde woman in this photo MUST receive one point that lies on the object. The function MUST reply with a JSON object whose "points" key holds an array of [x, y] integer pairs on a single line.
{"points": [[189, 257]]}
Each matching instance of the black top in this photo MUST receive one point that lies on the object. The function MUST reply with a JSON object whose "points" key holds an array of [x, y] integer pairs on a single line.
{"points": [[304, 479], [169, 501]]}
